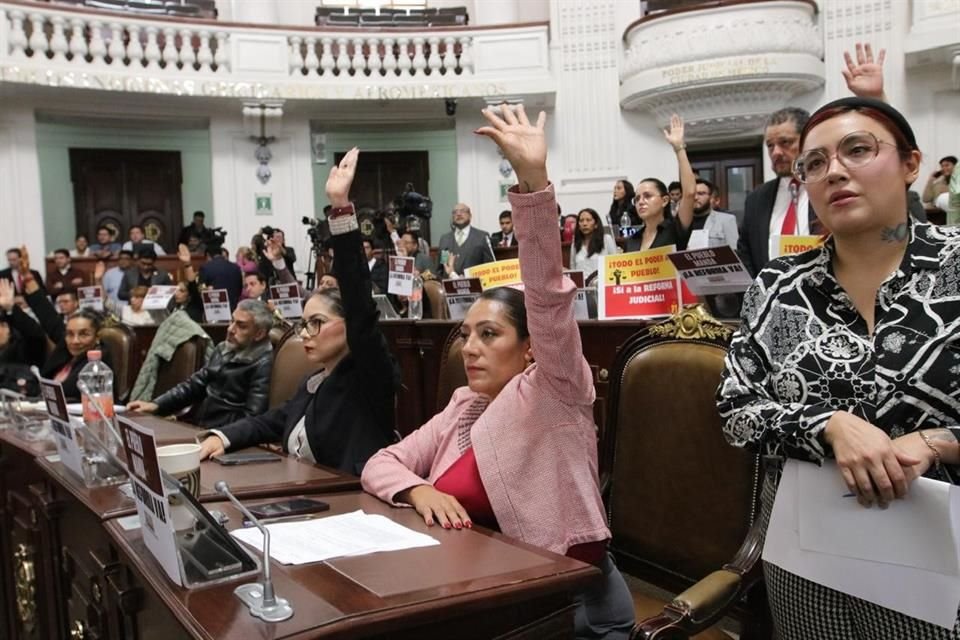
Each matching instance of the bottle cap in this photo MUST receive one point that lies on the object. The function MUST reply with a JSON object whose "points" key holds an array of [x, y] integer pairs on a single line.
{"points": [[93, 354]]}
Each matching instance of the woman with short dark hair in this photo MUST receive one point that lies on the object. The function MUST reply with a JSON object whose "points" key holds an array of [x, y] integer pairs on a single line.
{"points": [[847, 352]]}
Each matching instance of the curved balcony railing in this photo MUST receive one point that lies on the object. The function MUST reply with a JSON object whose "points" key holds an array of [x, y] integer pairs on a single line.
{"points": [[48, 44], [739, 60]]}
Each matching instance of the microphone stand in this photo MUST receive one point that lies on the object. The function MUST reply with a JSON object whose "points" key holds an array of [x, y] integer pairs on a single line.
{"points": [[258, 596]]}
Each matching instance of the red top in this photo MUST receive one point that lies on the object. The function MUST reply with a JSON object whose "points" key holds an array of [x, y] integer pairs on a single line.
{"points": [[462, 481]]}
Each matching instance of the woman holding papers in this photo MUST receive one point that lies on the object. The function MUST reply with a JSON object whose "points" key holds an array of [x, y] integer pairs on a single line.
{"points": [[516, 449], [657, 227], [343, 413], [849, 351]]}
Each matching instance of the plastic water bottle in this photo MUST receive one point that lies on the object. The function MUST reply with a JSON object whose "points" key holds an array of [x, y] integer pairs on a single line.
{"points": [[624, 223], [98, 378], [415, 302]]}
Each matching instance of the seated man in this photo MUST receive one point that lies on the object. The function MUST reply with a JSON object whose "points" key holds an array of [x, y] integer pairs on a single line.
{"points": [[235, 383], [67, 303], [65, 275]]}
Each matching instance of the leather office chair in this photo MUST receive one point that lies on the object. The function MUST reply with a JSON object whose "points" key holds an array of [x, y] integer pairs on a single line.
{"points": [[681, 499], [452, 373], [121, 341], [278, 334], [433, 290], [187, 359], [290, 367]]}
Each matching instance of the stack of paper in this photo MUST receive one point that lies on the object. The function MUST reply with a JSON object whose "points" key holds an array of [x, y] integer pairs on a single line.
{"points": [[905, 557], [349, 534]]}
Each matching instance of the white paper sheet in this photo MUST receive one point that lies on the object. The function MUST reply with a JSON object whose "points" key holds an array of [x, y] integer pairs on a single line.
{"points": [[320, 539], [890, 536], [932, 596]]}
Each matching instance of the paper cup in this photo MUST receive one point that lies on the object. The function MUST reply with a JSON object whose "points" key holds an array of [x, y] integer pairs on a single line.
{"points": [[182, 461]]}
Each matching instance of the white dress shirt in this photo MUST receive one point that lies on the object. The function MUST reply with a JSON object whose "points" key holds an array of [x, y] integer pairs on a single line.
{"points": [[782, 203]]}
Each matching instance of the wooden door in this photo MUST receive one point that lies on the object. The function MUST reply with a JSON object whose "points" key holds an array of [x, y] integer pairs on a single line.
{"points": [[383, 175], [735, 172], [119, 188]]}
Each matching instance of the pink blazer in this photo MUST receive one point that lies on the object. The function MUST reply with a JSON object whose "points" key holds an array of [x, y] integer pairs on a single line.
{"points": [[536, 443]]}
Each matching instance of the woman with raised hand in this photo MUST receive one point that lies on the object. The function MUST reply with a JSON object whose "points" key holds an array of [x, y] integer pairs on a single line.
{"points": [[652, 200], [516, 448], [344, 412], [848, 351]]}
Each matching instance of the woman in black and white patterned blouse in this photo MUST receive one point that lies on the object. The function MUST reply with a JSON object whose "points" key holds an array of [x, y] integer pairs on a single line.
{"points": [[852, 351]]}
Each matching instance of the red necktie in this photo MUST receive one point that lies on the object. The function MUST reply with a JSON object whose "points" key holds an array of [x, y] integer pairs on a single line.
{"points": [[19, 283], [789, 227]]}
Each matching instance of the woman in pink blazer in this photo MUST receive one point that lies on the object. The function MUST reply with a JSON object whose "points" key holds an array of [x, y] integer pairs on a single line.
{"points": [[516, 449]]}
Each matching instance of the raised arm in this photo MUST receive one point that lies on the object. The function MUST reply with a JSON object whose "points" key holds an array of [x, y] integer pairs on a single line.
{"points": [[549, 298], [688, 180], [364, 338]]}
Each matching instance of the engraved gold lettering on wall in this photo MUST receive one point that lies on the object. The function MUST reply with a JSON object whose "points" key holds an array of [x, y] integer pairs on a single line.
{"points": [[228, 89], [697, 71]]}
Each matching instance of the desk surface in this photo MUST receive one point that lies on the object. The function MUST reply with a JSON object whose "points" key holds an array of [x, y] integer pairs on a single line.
{"points": [[474, 573], [287, 476]]}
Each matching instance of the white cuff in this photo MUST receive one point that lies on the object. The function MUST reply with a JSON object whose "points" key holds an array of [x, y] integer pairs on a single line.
{"points": [[343, 224]]}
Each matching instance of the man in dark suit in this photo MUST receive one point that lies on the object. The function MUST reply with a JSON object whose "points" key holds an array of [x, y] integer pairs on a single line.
{"points": [[379, 273], [145, 275], [780, 206], [220, 273], [12, 272], [468, 245], [504, 237]]}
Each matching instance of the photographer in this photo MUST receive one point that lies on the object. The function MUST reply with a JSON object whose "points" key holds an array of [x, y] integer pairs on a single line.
{"points": [[218, 272], [195, 229], [273, 245]]}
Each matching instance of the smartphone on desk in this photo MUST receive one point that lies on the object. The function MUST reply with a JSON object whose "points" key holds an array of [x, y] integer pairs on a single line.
{"points": [[246, 457], [291, 507]]}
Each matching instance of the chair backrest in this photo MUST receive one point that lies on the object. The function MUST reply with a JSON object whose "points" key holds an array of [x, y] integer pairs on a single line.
{"points": [[121, 341], [290, 367], [435, 300], [278, 334], [452, 373], [681, 498], [187, 359]]}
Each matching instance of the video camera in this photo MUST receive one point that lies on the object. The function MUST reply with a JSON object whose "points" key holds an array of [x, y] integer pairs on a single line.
{"points": [[410, 203], [316, 231]]}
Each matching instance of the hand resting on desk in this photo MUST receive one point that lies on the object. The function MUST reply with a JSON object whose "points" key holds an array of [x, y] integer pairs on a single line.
{"points": [[435, 506]]}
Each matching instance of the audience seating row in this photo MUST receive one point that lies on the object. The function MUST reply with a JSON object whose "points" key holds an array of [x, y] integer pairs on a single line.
{"points": [[86, 266]]}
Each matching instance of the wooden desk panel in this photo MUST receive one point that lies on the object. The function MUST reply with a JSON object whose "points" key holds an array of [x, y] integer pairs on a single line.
{"points": [[435, 592], [24, 612]]}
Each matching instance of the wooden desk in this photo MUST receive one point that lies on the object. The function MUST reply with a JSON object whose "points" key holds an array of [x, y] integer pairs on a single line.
{"points": [[475, 584], [81, 565], [52, 524]]}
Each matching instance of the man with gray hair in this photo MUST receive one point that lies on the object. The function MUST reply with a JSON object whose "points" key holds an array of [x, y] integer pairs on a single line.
{"points": [[779, 206], [235, 383]]}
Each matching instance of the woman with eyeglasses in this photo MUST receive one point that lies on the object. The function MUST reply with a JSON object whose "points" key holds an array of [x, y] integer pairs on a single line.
{"points": [[343, 413], [652, 201], [847, 352], [516, 449]]}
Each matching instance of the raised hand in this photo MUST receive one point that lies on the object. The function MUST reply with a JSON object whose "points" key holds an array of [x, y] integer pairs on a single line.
{"points": [[340, 179], [99, 270], [7, 295], [865, 77], [523, 145], [183, 253], [273, 250], [674, 133], [24, 260]]}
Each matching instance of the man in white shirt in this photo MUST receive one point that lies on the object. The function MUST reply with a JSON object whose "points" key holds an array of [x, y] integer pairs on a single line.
{"points": [[112, 279], [138, 240], [779, 206], [710, 228]]}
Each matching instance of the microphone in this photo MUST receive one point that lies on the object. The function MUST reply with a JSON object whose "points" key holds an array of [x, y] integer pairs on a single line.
{"points": [[259, 597]]}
